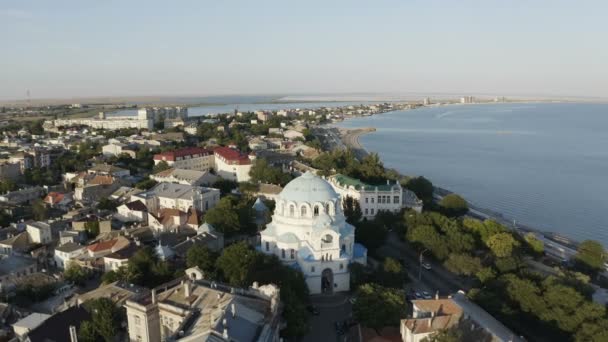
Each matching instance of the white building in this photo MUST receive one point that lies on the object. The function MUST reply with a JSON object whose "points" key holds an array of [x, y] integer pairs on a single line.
{"points": [[110, 123], [66, 253], [232, 164], [178, 196], [186, 177], [309, 231], [374, 198], [189, 158], [198, 310], [39, 232]]}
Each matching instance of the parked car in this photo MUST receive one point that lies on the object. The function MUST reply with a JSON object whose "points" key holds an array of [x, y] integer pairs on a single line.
{"points": [[426, 265], [339, 327], [353, 300], [418, 295], [426, 295]]}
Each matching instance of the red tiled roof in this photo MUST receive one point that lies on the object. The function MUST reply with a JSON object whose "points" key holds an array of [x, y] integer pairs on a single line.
{"points": [[102, 245], [232, 156], [182, 152], [102, 180], [193, 217], [54, 197]]}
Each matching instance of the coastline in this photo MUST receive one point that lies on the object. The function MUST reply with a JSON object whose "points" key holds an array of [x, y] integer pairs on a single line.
{"points": [[350, 138]]}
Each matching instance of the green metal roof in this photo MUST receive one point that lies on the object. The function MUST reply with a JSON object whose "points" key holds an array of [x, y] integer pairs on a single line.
{"points": [[344, 180]]}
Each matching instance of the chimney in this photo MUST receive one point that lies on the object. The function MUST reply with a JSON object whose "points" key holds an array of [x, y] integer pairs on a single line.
{"points": [[187, 289], [73, 334], [153, 296], [233, 310]]}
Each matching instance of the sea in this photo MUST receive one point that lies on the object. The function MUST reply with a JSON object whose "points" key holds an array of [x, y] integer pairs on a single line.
{"points": [[544, 165]]}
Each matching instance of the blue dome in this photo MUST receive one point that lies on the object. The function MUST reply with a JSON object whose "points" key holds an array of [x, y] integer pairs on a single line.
{"points": [[308, 188]]}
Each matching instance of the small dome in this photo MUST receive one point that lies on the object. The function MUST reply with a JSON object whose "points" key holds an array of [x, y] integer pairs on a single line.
{"points": [[308, 188]]}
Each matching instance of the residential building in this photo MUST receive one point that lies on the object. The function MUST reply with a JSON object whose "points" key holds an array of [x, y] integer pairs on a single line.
{"points": [[186, 177], [430, 316], [108, 123], [116, 149], [24, 159], [309, 231], [108, 170], [15, 267], [67, 252], [103, 248], [118, 259], [29, 323], [232, 164], [178, 196], [189, 158], [60, 327], [59, 200], [167, 220], [10, 171], [198, 310], [374, 198], [15, 243], [135, 211], [39, 232], [22, 195]]}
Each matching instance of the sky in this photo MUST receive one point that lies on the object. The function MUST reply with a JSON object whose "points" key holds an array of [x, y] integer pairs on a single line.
{"points": [[69, 49]]}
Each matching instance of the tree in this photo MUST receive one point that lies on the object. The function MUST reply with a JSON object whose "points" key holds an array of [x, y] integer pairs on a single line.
{"points": [[145, 269], [225, 186], [92, 228], [352, 210], [392, 273], [262, 172], [429, 238], [453, 205], [370, 234], [463, 264], [224, 216], [534, 243], [75, 273], [146, 184], [445, 335], [7, 185], [202, 257], [502, 244], [161, 166], [107, 204], [87, 332], [371, 169], [236, 264], [422, 187], [378, 306], [485, 274], [105, 318], [590, 256], [39, 210]]}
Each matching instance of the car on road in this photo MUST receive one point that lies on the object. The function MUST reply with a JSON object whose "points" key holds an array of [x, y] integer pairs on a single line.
{"points": [[418, 295], [353, 300], [339, 327], [313, 310], [426, 295], [426, 265]]}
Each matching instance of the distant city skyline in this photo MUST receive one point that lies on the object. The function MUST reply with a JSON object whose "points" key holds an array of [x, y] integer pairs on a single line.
{"points": [[74, 49]]}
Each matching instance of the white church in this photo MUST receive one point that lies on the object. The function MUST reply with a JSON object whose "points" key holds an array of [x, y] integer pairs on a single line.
{"points": [[309, 232]]}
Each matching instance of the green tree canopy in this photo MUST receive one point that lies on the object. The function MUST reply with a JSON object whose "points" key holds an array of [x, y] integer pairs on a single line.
{"points": [[262, 172], [453, 205], [371, 234], [502, 244], [161, 166], [202, 257], [378, 306], [590, 256], [352, 210], [422, 187], [75, 273], [236, 264], [534, 243]]}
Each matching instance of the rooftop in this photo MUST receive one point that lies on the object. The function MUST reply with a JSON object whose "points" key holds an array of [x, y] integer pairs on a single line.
{"points": [[183, 152], [232, 155], [346, 181]]}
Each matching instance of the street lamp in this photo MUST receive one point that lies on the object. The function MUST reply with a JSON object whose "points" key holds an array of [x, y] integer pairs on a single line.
{"points": [[420, 267]]}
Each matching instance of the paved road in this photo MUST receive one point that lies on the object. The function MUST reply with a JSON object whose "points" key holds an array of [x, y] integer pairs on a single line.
{"points": [[436, 279], [332, 308]]}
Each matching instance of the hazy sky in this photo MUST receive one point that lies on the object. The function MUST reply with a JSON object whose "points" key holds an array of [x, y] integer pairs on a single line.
{"points": [[119, 48]]}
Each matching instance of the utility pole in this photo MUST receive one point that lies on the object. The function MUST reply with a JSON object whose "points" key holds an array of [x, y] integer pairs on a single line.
{"points": [[420, 266]]}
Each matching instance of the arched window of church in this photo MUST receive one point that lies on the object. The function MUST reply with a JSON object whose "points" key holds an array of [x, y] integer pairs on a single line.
{"points": [[293, 253], [316, 210], [327, 208], [267, 246], [283, 253], [292, 210], [322, 257], [341, 266], [343, 247], [303, 211]]}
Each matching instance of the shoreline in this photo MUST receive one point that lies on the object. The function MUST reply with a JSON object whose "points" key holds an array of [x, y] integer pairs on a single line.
{"points": [[350, 138]]}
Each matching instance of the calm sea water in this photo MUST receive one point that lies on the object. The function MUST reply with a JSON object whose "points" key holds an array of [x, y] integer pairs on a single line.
{"points": [[544, 165]]}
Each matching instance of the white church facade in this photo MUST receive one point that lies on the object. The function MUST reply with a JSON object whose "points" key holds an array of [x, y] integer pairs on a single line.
{"points": [[309, 232]]}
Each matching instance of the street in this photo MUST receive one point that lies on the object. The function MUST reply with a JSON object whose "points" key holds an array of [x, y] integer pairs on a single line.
{"points": [[332, 308]]}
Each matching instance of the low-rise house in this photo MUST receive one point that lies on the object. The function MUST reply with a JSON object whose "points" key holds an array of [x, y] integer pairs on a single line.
{"points": [[205, 236], [17, 243], [57, 328], [74, 236], [39, 232], [373, 198], [13, 267], [59, 200], [183, 312], [22, 195], [67, 252], [135, 211], [167, 220], [124, 193], [29, 323], [430, 316], [293, 135], [184, 176], [118, 259], [103, 248], [108, 170], [257, 143], [9, 170], [96, 188]]}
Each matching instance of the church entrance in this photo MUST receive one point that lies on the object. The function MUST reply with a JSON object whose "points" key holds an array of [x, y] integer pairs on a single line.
{"points": [[327, 281]]}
